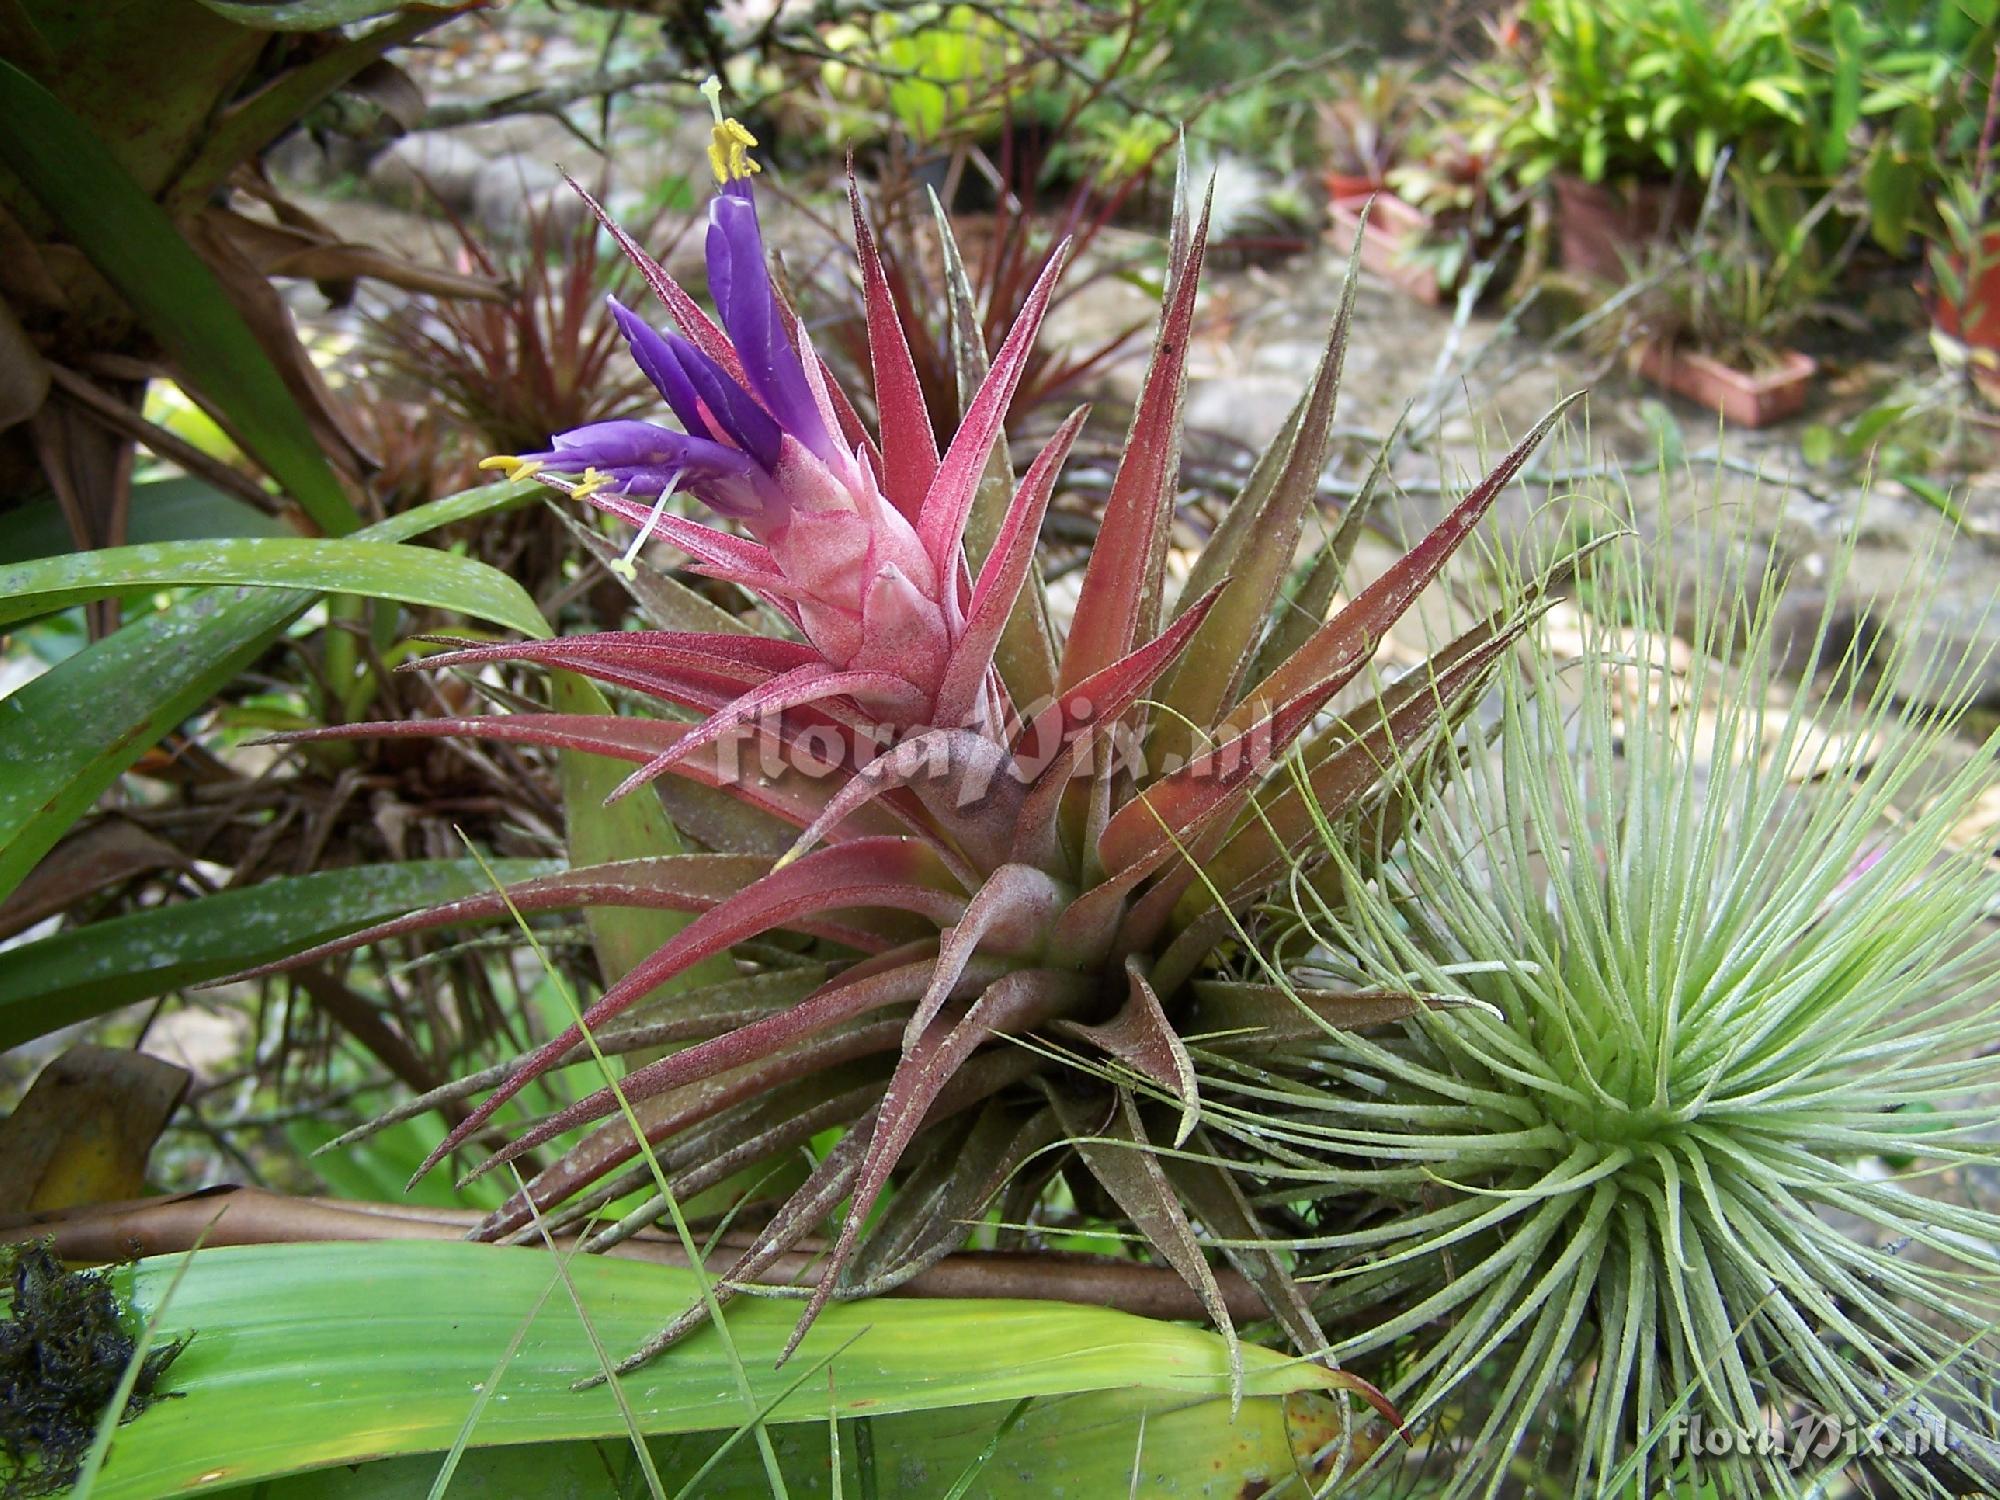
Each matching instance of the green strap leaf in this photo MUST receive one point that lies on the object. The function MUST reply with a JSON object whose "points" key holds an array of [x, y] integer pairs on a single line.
{"points": [[1090, 1444], [68, 734], [375, 1350], [378, 570], [307, 15], [173, 508], [139, 251], [87, 971], [633, 828]]}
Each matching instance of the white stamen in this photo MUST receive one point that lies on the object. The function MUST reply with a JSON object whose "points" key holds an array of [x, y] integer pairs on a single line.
{"points": [[623, 566]]}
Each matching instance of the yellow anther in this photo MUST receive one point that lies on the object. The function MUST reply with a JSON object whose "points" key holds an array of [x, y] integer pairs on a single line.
{"points": [[729, 143], [593, 480], [729, 152], [512, 467]]}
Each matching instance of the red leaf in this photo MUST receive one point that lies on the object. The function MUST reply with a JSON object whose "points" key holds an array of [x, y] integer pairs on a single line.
{"points": [[1072, 723], [1120, 600], [909, 448], [948, 502], [895, 873], [842, 999], [1001, 577], [1383, 602], [1012, 1004], [813, 682]]}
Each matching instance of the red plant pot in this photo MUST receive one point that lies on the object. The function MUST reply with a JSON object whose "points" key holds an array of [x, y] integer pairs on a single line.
{"points": [[1744, 399], [1341, 185], [1603, 229], [1393, 229], [1981, 301]]}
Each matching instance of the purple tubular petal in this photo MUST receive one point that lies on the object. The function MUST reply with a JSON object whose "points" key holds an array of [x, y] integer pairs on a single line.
{"points": [[642, 457], [740, 281], [688, 379], [652, 354], [747, 424]]}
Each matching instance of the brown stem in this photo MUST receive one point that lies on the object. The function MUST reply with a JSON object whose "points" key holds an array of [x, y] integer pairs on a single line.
{"points": [[251, 1216]]}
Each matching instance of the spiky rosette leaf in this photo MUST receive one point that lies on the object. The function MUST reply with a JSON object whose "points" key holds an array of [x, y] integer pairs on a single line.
{"points": [[1008, 861], [1681, 1173]]}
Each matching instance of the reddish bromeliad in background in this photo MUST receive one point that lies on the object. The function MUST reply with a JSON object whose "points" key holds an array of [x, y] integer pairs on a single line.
{"points": [[1026, 922]]}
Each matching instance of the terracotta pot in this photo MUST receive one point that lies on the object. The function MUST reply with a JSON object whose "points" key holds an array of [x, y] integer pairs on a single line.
{"points": [[1602, 229], [1394, 228], [1982, 299], [1744, 399], [1341, 185]]}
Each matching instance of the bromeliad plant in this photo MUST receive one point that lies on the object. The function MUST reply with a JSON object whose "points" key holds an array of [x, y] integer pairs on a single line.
{"points": [[939, 764], [1682, 1168]]}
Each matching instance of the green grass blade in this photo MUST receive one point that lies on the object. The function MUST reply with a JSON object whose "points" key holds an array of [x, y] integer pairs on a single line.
{"points": [[86, 971], [376, 570], [611, 1381], [692, 1489], [484, 1393], [140, 252], [985, 1455], [696, 1259]]}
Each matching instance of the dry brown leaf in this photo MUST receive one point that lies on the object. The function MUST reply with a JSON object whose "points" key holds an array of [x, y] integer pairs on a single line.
{"points": [[83, 1133]]}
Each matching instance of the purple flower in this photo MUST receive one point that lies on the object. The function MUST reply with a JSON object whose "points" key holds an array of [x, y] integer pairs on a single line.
{"points": [[760, 443], [690, 380], [739, 279], [734, 440], [642, 458]]}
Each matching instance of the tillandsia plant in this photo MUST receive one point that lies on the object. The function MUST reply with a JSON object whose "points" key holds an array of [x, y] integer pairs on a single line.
{"points": [[1679, 1174], [941, 773]]}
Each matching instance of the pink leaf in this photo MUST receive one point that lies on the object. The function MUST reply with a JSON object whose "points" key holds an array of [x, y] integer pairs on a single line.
{"points": [[948, 502], [909, 448], [894, 873], [1001, 577], [814, 682], [964, 781]]}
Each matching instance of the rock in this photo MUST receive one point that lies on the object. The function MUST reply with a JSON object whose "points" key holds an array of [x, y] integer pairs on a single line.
{"points": [[1807, 637], [508, 196], [315, 163], [1951, 650], [429, 167], [1249, 409], [537, 138]]}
